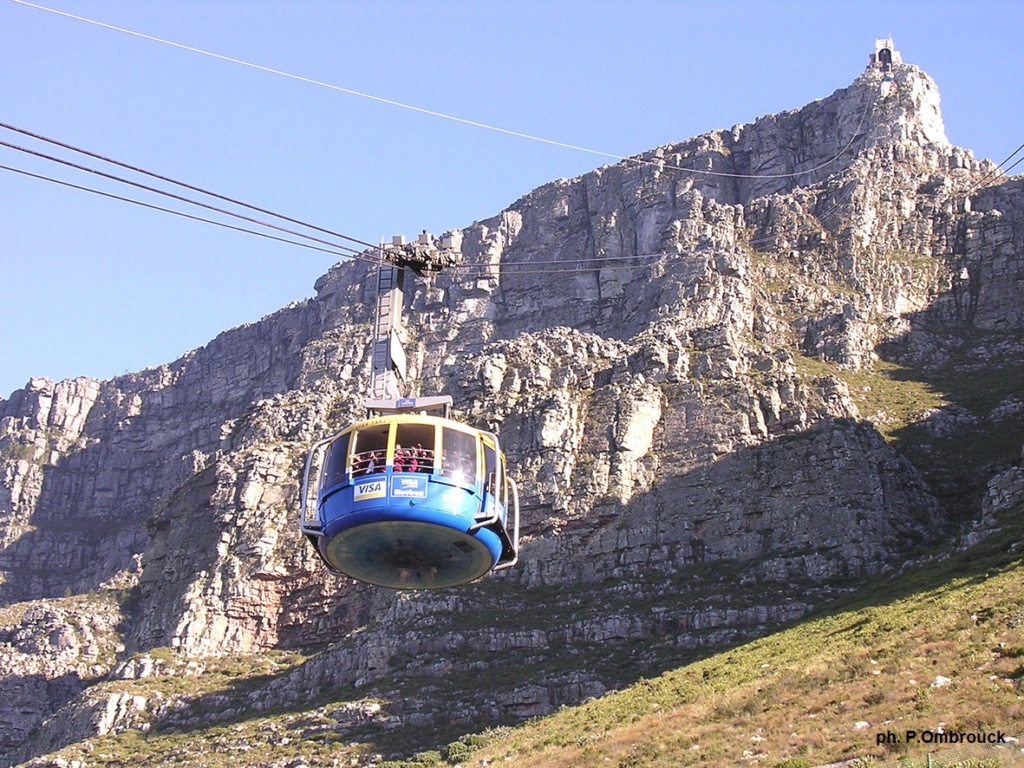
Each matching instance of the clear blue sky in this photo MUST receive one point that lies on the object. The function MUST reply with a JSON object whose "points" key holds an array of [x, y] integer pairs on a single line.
{"points": [[97, 287]]}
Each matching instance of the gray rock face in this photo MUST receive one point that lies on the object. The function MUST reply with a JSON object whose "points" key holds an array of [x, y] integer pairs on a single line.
{"points": [[49, 653], [639, 338]]}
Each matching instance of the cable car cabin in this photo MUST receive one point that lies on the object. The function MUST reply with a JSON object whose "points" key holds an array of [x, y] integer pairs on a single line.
{"points": [[412, 501]]}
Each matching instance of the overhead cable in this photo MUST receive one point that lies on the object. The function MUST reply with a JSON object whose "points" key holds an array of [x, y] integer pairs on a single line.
{"points": [[312, 81], [469, 271], [1011, 167], [443, 115], [172, 195], [342, 251], [182, 184], [558, 261], [994, 173], [182, 214]]}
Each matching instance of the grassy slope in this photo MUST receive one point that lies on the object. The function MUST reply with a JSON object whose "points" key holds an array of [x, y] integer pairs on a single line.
{"points": [[805, 691]]}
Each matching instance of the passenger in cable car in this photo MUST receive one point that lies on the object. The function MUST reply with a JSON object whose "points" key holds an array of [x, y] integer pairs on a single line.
{"points": [[425, 460], [366, 463]]}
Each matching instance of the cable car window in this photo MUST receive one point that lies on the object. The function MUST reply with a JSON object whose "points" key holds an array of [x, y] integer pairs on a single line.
{"points": [[335, 463], [414, 448], [458, 456], [369, 450], [503, 489], [489, 467]]}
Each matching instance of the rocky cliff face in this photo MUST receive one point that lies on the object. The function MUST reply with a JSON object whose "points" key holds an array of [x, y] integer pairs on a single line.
{"points": [[685, 354]]}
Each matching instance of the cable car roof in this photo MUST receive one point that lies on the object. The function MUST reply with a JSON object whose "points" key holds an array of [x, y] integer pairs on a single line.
{"points": [[412, 418]]}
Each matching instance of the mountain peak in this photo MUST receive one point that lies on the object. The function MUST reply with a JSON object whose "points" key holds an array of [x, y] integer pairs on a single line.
{"points": [[907, 101], [889, 103]]}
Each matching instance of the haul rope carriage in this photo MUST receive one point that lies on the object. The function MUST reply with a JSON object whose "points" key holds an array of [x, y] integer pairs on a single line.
{"points": [[409, 498]]}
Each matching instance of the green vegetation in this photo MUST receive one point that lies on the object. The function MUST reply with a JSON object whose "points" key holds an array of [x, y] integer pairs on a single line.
{"points": [[797, 697], [891, 396], [946, 419], [14, 451]]}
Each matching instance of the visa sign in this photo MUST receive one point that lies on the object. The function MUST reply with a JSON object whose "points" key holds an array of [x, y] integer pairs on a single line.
{"points": [[364, 491], [409, 486]]}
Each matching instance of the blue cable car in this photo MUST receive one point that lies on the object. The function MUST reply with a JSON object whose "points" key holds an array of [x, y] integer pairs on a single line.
{"points": [[410, 500]]}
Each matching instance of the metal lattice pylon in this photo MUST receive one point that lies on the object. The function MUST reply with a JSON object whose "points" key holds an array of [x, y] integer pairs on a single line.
{"points": [[388, 355]]}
